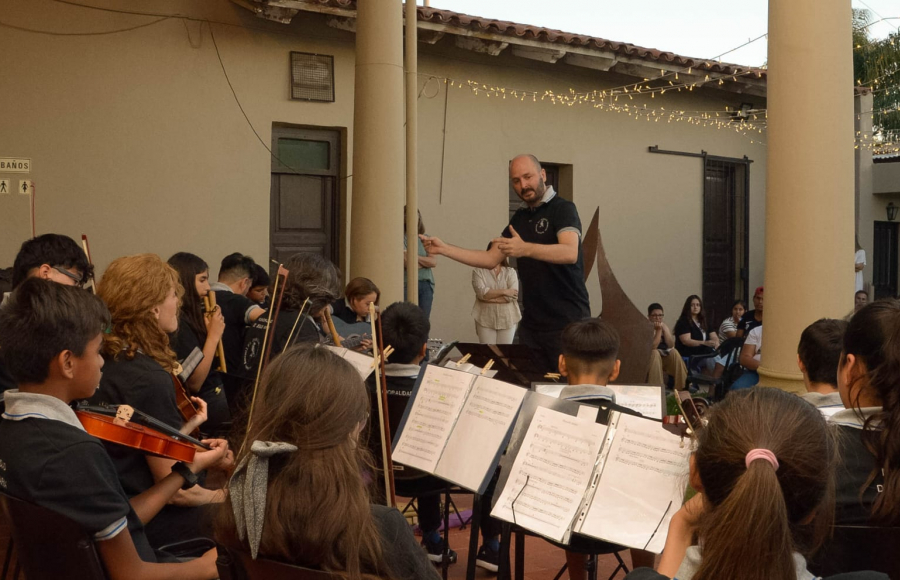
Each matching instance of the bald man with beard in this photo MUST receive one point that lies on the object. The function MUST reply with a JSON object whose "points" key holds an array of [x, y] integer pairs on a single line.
{"points": [[544, 235]]}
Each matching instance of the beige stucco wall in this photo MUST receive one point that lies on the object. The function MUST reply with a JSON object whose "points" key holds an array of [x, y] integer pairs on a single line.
{"points": [[886, 178], [136, 140]]}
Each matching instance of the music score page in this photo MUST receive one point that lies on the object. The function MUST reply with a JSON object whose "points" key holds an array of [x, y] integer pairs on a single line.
{"points": [[480, 431], [363, 363], [646, 400], [434, 411], [551, 472], [641, 485]]}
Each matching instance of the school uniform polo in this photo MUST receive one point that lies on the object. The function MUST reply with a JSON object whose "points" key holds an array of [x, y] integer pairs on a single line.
{"points": [[48, 459], [236, 310], [143, 384], [827, 403], [856, 465], [300, 330]]}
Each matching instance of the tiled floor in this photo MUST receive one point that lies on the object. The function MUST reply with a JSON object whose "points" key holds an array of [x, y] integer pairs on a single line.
{"points": [[542, 559]]}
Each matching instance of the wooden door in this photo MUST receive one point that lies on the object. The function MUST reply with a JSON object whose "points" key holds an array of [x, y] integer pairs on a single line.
{"points": [[304, 212], [725, 237], [884, 262]]}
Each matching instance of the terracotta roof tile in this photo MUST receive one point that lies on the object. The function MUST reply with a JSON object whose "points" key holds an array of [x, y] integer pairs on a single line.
{"points": [[530, 32]]}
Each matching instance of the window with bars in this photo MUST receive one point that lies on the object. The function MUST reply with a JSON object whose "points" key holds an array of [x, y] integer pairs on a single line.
{"points": [[312, 77]]}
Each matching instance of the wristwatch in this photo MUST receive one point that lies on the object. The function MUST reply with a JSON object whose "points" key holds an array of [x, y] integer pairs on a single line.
{"points": [[190, 478]]}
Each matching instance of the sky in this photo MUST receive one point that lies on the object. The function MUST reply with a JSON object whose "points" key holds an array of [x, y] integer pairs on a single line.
{"points": [[699, 28]]}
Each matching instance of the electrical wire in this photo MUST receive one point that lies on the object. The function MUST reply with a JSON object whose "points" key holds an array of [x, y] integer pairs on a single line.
{"points": [[101, 33]]}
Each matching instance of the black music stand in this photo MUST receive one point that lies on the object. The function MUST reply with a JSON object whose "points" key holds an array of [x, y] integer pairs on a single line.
{"points": [[514, 363]]}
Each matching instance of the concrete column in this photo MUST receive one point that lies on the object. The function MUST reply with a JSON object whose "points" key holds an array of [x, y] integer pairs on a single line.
{"points": [[810, 178], [412, 193], [865, 224], [376, 219]]}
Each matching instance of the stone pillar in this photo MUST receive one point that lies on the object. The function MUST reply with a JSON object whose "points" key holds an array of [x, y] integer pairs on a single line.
{"points": [[809, 180], [412, 194], [376, 218]]}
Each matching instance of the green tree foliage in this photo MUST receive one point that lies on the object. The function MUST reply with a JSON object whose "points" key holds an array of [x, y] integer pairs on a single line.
{"points": [[876, 64]]}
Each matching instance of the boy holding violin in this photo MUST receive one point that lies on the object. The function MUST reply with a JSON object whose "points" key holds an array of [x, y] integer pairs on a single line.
{"points": [[50, 339]]}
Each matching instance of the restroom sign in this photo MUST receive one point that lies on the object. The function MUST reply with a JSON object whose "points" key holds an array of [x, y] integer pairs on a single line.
{"points": [[15, 165]]}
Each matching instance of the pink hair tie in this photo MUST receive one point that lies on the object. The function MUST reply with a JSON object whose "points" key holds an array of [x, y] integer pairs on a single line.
{"points": [[755, 454]]}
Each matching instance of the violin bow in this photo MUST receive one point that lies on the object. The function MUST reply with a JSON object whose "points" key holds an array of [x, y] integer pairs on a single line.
{"points": [[383, 417], [87, 252], [271, 319], [290, 337]]}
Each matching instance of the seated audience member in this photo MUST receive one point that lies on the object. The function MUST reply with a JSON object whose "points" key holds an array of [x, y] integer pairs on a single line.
{"points": [[201, 332], [259, 286], [406, 328], [860, 299], [762, 470], [662, 360], [868, 478], [691, 336], [50, 338], [589, 363], [235, 278], [310, 276], [729, 326], [52, 257], [752, 318], [751, 354], [142, 293], [818, 355], [496, 310], [302, 462]]}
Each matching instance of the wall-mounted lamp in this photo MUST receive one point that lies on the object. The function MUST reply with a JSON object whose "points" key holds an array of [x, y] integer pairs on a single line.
{"points": [[892, 211]]}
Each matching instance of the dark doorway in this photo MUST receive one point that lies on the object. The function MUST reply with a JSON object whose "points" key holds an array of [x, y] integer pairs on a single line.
{"points": [[725, 236], [304, 214], [884, 269]]}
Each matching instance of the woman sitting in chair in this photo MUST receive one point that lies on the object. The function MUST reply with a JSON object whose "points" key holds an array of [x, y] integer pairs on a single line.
{"points": [[299, 495], [691, 336]]}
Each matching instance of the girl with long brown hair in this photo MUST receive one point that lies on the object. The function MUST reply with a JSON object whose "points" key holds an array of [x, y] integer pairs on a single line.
{"points": [[301, 468], [198, 331], [868, 490], [143, 294], [763, 470]]}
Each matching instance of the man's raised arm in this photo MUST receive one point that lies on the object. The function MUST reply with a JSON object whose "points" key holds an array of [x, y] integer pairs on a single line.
{"points": [[476, 258]]}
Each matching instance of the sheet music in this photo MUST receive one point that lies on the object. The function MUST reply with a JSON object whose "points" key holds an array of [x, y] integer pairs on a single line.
{"points": [[551, 473], [641, 486], [434, 411], [361, 362], [646, 400], [480, 431]]}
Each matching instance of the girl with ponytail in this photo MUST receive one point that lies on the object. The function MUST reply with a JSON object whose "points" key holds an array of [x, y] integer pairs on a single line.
{"points": [[868, 478], [763, 471]]}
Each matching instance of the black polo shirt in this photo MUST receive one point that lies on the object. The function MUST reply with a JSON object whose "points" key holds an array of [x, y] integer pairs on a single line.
{"points": [[853, 498], [307, 331], [234, 311], [143, 384], [553, 295], [58, 466], [748, 322]]}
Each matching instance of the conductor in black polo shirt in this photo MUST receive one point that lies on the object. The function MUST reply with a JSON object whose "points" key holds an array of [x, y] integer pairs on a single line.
{"points": [[544, 235]]}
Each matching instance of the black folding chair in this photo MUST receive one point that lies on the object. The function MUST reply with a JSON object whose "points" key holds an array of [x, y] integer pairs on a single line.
{"points": [[730, 349]]}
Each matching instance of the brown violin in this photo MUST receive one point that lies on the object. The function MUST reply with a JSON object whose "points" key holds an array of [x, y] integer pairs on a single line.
{"points": [[183, 400], [114, 424]]}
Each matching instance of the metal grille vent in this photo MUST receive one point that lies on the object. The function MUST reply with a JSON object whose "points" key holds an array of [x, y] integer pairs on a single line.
{"points": [[312, 77]]}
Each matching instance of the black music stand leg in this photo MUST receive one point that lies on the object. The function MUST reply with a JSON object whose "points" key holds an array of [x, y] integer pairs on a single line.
{"points": [[562, 571], [520, 554], [473, 538], [592, 567], [621, 566], [503, 573], [8, 560], [445, 555]]}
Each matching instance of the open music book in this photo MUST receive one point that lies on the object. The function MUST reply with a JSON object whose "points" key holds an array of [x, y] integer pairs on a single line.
{"points": [[648, 400], [620, 482], [361, 362], [456, 425]]}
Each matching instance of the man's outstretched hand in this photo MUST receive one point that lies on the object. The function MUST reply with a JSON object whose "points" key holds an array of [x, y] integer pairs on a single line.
{"points": [[514, 247], [433, 246]]}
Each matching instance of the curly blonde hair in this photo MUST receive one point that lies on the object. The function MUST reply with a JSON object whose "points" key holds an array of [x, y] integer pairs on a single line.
{"points": [[131, 287]]}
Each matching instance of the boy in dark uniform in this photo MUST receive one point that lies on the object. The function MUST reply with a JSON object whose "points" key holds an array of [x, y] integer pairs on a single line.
{"points": [[50, 337]]}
